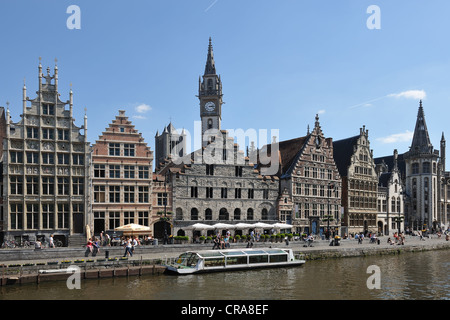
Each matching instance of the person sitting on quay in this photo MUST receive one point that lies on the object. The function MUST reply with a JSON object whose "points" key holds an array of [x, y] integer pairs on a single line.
{"points": [[216, 243]]}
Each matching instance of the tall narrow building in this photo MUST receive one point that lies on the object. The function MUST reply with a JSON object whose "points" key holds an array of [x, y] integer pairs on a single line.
{"points": [[121, 177], [46, 168], [422, 183]]}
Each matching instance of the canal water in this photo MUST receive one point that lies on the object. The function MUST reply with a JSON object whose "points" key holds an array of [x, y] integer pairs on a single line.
{"points": [[421, 275]]}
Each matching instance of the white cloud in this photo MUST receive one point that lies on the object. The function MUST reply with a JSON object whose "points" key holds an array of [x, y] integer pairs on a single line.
{"points": [[410, 94], [397, 137], [321, 111], [139, 117], [143, 108]]}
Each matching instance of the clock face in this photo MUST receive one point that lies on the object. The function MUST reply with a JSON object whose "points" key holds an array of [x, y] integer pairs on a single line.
{"points": [[210, 106]]}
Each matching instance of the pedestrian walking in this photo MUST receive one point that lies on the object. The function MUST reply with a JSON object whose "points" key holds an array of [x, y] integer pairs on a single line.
{"points": [[128, 246], [50, 240]]}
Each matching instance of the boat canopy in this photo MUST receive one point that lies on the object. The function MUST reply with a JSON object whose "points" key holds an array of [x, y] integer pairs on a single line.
{"points": [[237, 252]]}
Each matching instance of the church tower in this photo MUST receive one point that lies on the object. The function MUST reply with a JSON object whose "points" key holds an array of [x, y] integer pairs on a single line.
{"points": [[422, 183], [210, 96]]}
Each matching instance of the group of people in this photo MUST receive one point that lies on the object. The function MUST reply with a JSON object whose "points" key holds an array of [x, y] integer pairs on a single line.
{"points": [[222, 242], [399, 238], [130, 243], [92, 247]]}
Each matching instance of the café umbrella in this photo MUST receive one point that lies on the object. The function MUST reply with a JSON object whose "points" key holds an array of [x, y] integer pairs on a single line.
{"points": [[201, 226], [133, 229]]}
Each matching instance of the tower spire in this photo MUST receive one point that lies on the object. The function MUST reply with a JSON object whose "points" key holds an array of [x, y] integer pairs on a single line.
{"points": [[421, 139], [210, 67]]}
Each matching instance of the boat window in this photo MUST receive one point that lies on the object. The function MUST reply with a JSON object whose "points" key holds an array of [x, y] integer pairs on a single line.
{"points": [[236, 260], [272, 251], [182, 258], [214, 262], [259, 258], [255, 252], [233, 253], [279, 258], [210, 254], [192, 261]]}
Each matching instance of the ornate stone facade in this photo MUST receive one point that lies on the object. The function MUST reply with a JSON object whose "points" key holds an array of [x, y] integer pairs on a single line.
{"points": [[46, 167], [309, 174], [354, 159]]}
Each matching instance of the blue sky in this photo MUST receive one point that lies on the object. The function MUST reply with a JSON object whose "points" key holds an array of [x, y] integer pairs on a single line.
{"points": [[281, 62]]}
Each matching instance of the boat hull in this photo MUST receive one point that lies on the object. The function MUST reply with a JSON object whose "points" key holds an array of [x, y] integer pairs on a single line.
{"points": [[185, 271]]}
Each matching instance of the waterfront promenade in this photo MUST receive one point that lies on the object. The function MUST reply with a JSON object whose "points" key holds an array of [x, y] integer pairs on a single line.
{"points": [[319, 250]]}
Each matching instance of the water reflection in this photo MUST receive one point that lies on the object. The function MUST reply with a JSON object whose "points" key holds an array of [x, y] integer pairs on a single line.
{"points": [[406, 276]]}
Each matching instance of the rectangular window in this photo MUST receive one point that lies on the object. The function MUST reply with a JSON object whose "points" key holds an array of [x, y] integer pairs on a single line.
{"points": [[48, 158], [238, 171], [78, 186], [143, 218], [99, 170], [78, 159], [143, 194], [128, 172], [128, 217], [48, 109], [114, 194], [224, 193], [16, 157], [48, 216], [33, 216], [251, 193], [266, 194], [33, 157], [48, 134], [209, 169], [63, 215], [298, 188], [143, 172], [16, 216], [162, 198], [114, 219], [32, 133], [99, 193], [63, 158], [194, 192], [128, 150], [128, 192], [16, 184], [209, 192], [114, 149], [114, 171], [32, 185], [63, 134], [48, 186]]}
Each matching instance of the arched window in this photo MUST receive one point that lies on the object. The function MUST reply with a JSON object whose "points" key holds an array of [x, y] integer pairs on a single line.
{"points": [[179, 214], [208, 214], [210, 123], [223, 214], [237, 214], [194, 214], [264, 214], [250, 214]]}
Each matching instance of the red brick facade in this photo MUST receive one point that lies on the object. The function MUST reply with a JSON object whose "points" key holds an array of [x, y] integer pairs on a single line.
{"points": [[121, 178]]}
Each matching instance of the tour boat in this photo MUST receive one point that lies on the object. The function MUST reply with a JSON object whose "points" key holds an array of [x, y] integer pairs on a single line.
{"points": [[232, 259]]}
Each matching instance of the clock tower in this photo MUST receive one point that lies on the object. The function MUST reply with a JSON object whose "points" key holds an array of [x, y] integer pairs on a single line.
{"points": [[210, 96]]}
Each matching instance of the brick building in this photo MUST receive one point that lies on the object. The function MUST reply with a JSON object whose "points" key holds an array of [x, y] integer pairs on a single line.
{"points": [[121, 177]]}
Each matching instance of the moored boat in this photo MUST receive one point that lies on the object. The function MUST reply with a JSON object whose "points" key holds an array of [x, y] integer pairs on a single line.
{"points": [[232, 259]]}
